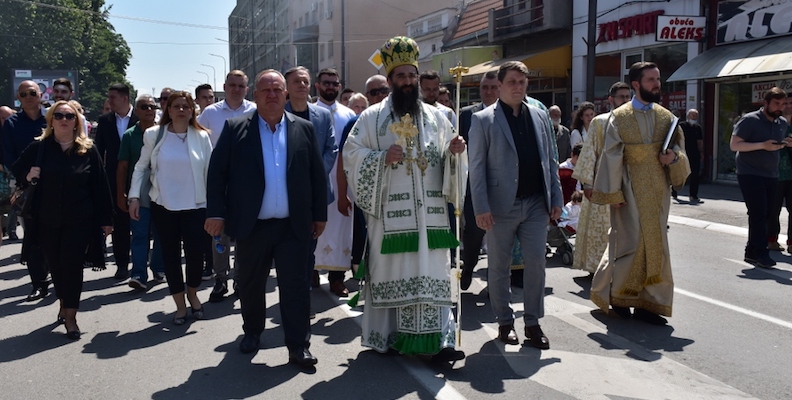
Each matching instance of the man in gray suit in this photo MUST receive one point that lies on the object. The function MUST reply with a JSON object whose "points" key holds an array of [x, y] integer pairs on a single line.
{"points": [[516, 190]]}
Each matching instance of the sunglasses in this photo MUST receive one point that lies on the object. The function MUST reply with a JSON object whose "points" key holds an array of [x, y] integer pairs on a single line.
{"points": [[148, 107], [59, 116], [32, 93], [218, 246], [377, 92], [329, 83]]}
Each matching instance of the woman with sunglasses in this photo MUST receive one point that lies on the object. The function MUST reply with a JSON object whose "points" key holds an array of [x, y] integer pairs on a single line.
{"points": [[71, 201], [177, 153]]}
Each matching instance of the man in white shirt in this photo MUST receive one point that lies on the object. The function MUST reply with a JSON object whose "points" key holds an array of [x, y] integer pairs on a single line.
{"points": [[430, 91], [110, 129], [334, 249], [213, 117]]}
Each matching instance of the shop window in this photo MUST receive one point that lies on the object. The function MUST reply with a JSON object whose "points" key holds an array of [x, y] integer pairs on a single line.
{"points": [[669, 59], [606, 73]]}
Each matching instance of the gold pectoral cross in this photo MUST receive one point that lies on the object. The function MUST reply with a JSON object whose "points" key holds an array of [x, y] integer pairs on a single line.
{"points": [[407, 132]]}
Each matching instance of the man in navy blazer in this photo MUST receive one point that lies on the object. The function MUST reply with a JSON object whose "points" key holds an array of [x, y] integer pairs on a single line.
{"points": [[267, 188], [515, 189], [298, 83]]}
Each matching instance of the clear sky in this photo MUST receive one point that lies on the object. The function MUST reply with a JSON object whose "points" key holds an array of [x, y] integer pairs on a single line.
{"points": [[170, 39]]}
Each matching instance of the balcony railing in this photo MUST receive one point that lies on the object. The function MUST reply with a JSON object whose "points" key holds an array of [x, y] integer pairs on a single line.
{"points": [[513, 19]]}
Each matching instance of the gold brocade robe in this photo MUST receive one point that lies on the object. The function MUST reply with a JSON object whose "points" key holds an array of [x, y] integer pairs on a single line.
{"points": [[591, 240], [638, 272]]}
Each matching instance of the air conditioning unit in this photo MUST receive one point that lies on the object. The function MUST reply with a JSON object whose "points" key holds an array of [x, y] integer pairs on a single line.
{"points": [[328, 14]]}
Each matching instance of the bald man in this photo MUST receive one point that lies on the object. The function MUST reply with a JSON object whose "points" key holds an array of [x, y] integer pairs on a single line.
{"points": [[19, 130]]}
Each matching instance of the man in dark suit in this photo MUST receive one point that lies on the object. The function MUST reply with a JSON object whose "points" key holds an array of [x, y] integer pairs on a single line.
{"points": [[298, 84], [110, 129], [267, 188], [472, 235]]}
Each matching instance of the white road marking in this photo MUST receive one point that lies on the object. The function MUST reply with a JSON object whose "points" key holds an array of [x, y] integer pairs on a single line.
{"points": [[741, 310], [599, 377]]}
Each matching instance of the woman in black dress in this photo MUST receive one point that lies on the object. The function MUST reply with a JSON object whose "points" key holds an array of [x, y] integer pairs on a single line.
{"points": [[71, 201]]}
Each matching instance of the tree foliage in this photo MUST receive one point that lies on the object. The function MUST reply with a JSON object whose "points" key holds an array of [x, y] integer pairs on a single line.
{"points": [[62, 34]]}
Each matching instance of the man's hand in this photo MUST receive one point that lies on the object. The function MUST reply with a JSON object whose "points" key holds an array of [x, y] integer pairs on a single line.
{"points": [[667, 158], [214, 227], [457, 145], [555, 213], [318, 228], [771, 145], [485, 221], [344, 205], [588, 193], [395, 154], [134, 209], [122, 203]]}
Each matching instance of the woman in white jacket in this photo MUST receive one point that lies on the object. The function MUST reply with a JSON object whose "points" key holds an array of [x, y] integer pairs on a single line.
{"points": [[178, 159]]}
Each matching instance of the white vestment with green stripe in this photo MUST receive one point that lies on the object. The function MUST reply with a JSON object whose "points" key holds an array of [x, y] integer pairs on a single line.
{"points": [[407, 292]]}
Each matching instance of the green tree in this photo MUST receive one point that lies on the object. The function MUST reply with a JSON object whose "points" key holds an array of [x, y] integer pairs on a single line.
{"points": [[63, 34]]}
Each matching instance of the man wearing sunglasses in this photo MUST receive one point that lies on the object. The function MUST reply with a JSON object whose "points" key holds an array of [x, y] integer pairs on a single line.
{"points": [[129, 153], [334, 247], [19, 131], [108, 141]]}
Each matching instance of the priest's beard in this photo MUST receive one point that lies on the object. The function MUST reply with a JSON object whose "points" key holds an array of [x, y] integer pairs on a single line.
{"points": [[405, 100], [648, 96]]}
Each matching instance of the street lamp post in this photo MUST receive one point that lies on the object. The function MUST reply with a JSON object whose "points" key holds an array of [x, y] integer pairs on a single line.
{"points": [[207, 75], [214, 74], [224, 63]]}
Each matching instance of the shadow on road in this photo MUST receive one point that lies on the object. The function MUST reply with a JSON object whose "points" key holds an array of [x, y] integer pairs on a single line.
{"points": [[38, 341], [627, 334], [781, 276], [234, 378]]}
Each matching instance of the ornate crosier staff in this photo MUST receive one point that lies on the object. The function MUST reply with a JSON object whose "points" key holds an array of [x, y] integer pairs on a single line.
{"points": [[457, 73]]}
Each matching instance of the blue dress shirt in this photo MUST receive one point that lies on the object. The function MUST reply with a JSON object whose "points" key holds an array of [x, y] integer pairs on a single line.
{"points": [[275, 203]]}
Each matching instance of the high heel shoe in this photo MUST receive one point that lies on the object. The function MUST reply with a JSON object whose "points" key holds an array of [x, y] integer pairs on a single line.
{"points": [[73, 335], [197, 314], [179, 320]]}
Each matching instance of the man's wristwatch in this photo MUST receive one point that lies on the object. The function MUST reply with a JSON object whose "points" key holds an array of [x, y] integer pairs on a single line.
{"points": [[129, 201]]}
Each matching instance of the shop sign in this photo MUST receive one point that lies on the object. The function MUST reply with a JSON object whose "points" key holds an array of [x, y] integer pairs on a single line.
{"points": [[675, 28], [674, 100], [740, 20], [759, 89], [635, 25]]}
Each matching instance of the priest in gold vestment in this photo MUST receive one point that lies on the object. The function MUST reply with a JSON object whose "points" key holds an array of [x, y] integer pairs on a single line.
{"points": [[591, 241], [635, 178]]}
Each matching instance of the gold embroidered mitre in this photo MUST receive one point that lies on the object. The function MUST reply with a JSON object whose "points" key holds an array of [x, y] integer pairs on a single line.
{"points": [[398, 51]]}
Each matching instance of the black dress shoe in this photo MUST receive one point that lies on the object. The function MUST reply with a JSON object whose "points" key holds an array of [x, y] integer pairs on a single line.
{"points": [[448, 354], [623, 312], [302, 357], [649, 317], [507, 334], [250, 343], [121, 273], [37, 293], [219, 291], [536, 338], [466, 280]]}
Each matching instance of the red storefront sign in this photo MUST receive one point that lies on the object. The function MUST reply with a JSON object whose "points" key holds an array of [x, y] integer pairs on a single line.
{"points": [[675, 101], [635, 25], [672, 28]]}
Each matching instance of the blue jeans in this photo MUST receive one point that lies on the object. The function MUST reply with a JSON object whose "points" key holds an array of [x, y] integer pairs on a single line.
{"points": [[140, 246]]}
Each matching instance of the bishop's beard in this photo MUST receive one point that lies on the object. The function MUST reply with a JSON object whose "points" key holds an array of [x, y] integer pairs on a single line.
{"points": [[405, 101]]}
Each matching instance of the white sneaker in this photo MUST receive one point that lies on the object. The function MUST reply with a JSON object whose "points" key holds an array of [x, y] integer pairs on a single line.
{"points": [[135, 283]]}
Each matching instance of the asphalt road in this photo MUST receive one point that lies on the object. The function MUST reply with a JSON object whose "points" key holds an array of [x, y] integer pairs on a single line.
{"points": [[729, 338]]}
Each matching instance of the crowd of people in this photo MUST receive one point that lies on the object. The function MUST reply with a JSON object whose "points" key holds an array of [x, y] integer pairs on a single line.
{"points": [[367, 182]]}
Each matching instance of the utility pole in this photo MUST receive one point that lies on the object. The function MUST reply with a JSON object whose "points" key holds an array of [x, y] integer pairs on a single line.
{"points": [[591, 55], [343, 43]]}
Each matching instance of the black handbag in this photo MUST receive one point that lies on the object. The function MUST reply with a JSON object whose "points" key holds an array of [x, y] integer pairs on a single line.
{"points": [[22, 198]]}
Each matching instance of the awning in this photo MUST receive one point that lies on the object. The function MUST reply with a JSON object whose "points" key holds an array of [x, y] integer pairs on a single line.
{"points": [[734, 60], [550, 63]]}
